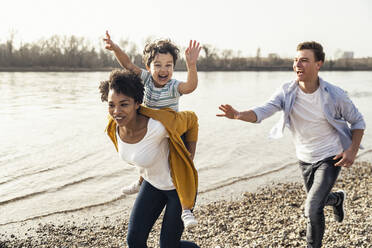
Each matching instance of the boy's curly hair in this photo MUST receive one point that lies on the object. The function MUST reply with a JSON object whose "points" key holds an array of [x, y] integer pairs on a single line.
{"points": [[124, 82], [159, 46]]}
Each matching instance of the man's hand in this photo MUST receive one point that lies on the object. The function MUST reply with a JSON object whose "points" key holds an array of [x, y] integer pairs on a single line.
{"points": [[192, 53], [228, 112], [347, 158], [110, 45]]}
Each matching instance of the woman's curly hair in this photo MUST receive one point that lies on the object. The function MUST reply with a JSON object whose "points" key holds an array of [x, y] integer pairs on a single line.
{"points": [[124, 82]]}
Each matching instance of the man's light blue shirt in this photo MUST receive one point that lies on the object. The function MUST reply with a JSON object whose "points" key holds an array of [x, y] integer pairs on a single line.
{"points": [[338, 109]]}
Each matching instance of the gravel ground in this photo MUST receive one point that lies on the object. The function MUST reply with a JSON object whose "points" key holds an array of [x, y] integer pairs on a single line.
{"points": [[271, 217]]}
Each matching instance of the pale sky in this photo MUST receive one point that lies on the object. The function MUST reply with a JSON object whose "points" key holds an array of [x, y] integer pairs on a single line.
{"points": [[275, 26]]}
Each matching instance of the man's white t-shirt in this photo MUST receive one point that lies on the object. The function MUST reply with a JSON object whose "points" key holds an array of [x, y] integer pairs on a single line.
{"points": [[150, 155], [315, 139]]}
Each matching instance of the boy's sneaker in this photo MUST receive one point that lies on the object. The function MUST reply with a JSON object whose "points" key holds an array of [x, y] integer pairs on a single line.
{"points": [[338, 210], [132, 189], [188, 219]]}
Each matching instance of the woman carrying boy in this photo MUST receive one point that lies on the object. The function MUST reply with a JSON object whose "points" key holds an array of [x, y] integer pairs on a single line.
{"points": [[161, 91]]}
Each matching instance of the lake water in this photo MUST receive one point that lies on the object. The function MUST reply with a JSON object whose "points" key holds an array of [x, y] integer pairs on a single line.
{"points": [[56, 158]]}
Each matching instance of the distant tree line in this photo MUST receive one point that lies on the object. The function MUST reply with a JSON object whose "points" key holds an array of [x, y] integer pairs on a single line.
{"points": [[55, 52], [77, 53]]}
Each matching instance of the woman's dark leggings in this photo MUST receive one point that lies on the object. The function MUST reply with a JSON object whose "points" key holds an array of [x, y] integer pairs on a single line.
{"points": [[146, 210]]}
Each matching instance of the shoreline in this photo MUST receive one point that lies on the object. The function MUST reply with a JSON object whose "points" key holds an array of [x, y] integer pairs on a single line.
{"points": [[259, 212], [121, 208], [108, 69]]}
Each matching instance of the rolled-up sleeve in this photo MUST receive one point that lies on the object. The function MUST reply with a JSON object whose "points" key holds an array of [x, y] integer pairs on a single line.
{"points": [[188, 125], [351, 113]]}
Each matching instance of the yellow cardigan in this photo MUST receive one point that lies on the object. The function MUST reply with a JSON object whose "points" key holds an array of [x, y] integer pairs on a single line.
{"points": [[183, 172]]}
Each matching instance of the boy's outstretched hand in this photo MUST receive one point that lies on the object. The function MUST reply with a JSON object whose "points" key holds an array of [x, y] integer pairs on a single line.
{"points": [[110, 45], [192, 53]]}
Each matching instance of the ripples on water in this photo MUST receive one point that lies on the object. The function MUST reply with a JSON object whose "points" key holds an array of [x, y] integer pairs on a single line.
{"points": [[55, 156]]}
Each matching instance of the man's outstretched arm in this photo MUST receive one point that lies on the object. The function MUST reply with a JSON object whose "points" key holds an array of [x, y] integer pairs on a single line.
{"points": [[231, 113]]}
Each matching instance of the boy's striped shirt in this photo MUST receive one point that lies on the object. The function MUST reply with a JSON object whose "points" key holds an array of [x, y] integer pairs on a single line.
{"points": [[165, 97]]}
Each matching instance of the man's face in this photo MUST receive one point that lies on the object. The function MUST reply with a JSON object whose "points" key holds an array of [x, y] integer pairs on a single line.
{"points": [[305, 66]]}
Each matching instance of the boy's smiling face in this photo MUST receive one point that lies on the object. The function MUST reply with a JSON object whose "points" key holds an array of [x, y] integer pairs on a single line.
{"points": [[161, 69]]}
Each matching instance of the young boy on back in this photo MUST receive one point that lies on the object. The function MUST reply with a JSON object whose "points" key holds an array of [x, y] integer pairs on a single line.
{"points": [[161, 90]]}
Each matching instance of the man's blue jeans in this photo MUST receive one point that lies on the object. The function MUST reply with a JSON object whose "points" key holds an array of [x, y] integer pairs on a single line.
{"points": [[319, 179], [146, 210]]}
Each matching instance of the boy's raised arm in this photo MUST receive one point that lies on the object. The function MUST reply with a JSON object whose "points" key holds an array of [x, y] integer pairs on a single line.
{"points": [[191, 54], [121, 56]]}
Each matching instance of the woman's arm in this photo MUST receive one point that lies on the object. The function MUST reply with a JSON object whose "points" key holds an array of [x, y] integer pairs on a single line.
{"points": [[191, 147], [188, 125]]}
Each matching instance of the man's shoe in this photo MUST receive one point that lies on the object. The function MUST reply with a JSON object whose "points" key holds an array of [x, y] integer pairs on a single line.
{"points": [[338, 210]]}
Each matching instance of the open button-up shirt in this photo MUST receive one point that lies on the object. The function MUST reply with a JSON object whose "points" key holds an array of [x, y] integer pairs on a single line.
{"points": [[338, 109]]}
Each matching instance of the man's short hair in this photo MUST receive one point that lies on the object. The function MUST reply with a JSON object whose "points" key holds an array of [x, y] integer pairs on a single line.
{"points": [[315, 47]]}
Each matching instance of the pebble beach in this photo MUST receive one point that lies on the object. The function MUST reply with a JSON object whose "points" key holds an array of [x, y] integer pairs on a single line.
{"points": [[270, 217]]}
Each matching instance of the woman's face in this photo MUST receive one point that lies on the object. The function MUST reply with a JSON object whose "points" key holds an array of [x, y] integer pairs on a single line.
{"points": [[122, 108]]}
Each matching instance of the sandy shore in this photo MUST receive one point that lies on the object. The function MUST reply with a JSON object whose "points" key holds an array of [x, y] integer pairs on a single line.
{"points": [[269, 217]]}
